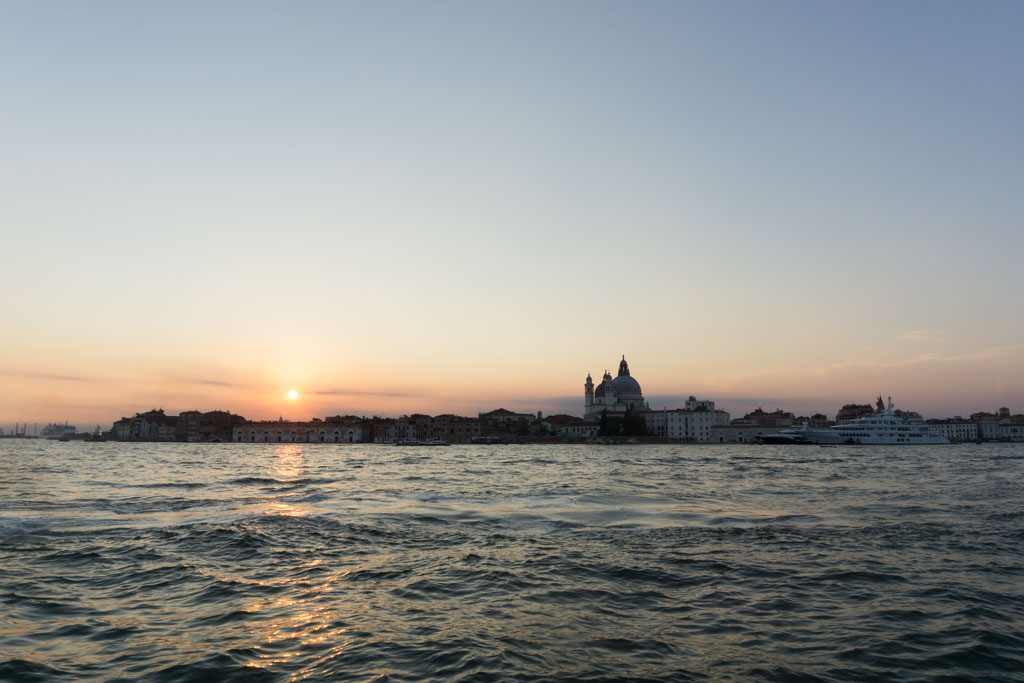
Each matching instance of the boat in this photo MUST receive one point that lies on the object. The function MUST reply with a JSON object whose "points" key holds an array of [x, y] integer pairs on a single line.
{"points": [[59, 431], [884, 427], [789, 437]]}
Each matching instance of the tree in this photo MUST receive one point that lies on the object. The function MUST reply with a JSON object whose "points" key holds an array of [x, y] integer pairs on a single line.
{"points": [[633, 424], [610, 426]]}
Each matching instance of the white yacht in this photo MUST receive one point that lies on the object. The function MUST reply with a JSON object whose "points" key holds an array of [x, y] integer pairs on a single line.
{"points": [[884, 427]]}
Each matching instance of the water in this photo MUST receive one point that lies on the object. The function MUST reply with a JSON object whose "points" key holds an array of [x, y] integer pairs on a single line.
{"points": [[508, 563]]}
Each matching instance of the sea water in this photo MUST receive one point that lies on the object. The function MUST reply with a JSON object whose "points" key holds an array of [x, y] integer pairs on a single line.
{"points": [[495, 563]]}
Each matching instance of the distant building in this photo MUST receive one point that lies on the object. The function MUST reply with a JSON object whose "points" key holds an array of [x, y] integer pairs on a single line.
{"points": [[988, 430], [778, 418], [816, 421], [455, 428], [381, 430], [578, 430], [1011, 432], [192, 425], [614, 396], [501, 416], [448, 427], [153, 425], [691, 424], [956, 429], [854, 411], [400, 430], [122, 429], [555, 423], [417, 427], [315, 431], [1001, 414], [216, 425]]}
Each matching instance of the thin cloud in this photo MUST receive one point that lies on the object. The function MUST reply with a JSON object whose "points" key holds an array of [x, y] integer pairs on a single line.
{"points": [[360, 394], [924, 359], [922, 337], [45, 375], [31, 374]]}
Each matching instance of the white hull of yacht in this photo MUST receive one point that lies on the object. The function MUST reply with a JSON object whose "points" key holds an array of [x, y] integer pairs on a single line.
{"points": [[829, 438]]}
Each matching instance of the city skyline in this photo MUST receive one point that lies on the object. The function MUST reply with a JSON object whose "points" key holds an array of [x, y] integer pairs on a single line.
{"points": [[302, 406], [456, 207]]}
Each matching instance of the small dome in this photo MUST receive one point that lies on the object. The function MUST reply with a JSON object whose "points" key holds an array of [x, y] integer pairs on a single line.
{"points": [[599, 391]]}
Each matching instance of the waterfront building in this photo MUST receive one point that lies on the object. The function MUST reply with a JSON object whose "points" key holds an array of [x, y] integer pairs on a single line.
{"points": [[988, 430], [502, 417], [854, 411], [455, 428], [153, 425], [816, 421], [380, 430], [578, 430], [956, 429], [215, 425], [401, 429], [281, 431], [998, 426], [1001, 414], [1011, 432], [691, 424], [613, 396], [122, 429], [416, 427], [778, 418], [191, 425], [554, 423]]}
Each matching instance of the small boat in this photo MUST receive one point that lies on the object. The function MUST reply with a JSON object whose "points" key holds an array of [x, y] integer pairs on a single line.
{"points": [[788, 437]]}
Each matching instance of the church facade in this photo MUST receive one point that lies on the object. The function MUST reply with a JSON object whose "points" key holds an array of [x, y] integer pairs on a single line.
{"points": [[614, 395]]}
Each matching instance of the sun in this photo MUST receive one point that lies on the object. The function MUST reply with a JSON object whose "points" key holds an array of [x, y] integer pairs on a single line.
{"points": [[293, 394]]}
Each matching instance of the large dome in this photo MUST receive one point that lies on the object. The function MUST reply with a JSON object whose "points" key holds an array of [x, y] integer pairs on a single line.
{"points": [[625, 386]]}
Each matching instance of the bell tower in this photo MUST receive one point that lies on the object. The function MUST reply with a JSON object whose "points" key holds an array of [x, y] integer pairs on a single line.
{"points": [[588, 394]]}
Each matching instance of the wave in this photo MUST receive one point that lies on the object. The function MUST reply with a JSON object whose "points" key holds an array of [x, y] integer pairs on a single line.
{"points": [[24, 670], [13, 526], [173, 485]]}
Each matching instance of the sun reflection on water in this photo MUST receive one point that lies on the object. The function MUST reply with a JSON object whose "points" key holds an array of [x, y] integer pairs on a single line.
{"points": [[300, 622], [287, 510], [288, 462]]}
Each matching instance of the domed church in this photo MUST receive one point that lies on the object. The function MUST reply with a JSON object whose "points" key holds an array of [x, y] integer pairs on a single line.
{"points": [[614, 395]]}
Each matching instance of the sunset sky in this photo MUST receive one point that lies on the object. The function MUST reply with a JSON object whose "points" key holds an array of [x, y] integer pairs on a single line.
{"points": [[457, 206]]}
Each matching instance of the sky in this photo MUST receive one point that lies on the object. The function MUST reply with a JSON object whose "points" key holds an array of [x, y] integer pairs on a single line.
{"points": [[396, 207]]}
